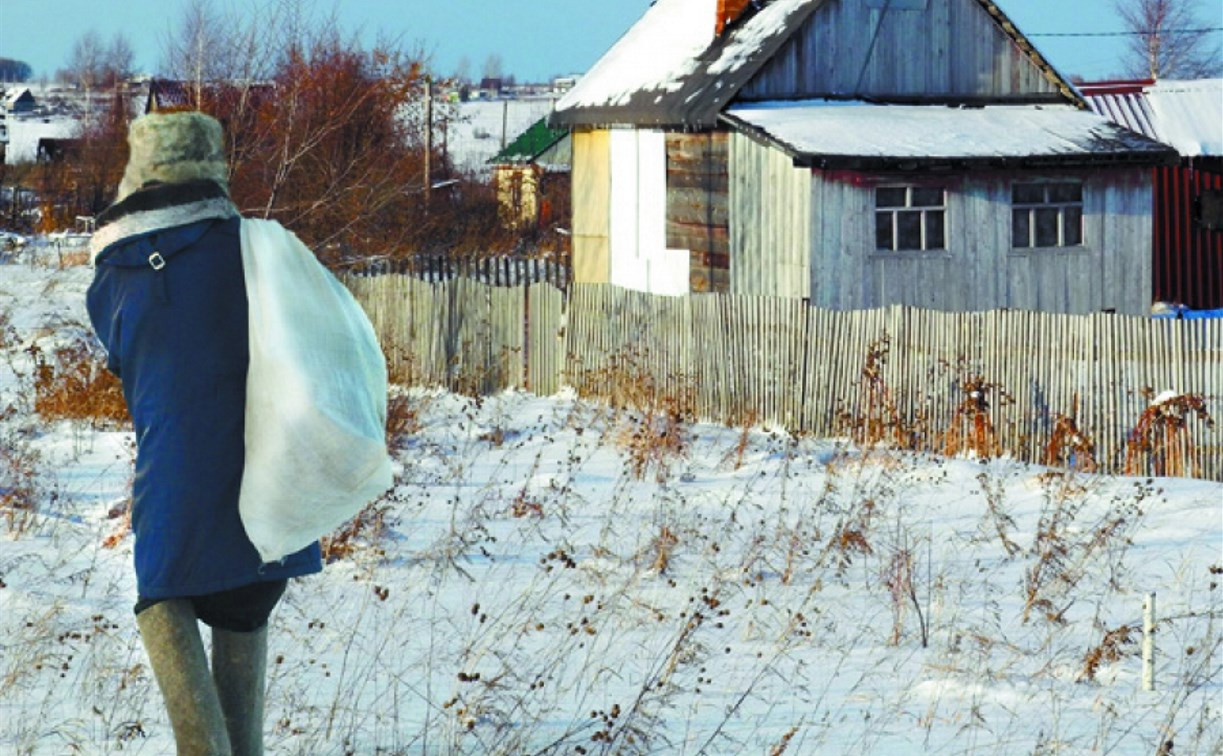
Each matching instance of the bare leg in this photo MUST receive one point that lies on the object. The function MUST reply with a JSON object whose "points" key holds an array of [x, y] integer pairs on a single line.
{"points": [[172, 639], [239, 666]]}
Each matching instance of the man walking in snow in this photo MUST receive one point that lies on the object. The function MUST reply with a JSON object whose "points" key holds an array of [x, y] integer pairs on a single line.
{"points": [[169, 304]]}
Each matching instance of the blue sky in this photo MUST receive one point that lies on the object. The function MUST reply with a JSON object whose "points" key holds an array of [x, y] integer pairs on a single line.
{"points": [[535, 39]]}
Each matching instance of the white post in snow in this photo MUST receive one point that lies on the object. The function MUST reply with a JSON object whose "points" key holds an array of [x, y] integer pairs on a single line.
{"points": [[1148, 643]]}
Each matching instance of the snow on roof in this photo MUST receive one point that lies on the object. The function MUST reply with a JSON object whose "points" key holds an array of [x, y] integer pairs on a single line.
{"points": [[760, 28], [1185, 114], [1189, 115], [859, 129], [670, 69], [655, 54]]}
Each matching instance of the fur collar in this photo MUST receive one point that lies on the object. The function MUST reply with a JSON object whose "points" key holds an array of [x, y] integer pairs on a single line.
{"points": [[158, 207]]}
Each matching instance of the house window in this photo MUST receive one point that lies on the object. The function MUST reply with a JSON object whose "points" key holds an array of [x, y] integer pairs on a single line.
{"points": [[910, 218], [1047, 214]]}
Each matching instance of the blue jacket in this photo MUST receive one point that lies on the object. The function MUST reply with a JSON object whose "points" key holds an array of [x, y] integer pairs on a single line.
{"points": [[169, 304]]}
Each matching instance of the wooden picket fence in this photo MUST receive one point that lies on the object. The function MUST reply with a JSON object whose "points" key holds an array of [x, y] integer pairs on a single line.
{"points": [[896, 374]]}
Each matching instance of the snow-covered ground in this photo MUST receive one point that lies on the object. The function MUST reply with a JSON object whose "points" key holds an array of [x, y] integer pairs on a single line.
{"points": [[521, 591], [25, 131], [475, 130]]}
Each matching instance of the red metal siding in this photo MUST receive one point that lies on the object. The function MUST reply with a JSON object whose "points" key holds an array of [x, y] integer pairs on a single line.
{"points": [[1188, 266]]}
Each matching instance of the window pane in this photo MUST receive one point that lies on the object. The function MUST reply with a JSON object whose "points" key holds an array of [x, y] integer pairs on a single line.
{"points": [[1028, 194], [908, 230], [934, 230], [890, 196], [927, 197], [1072, 219], [1046, 226], [1021, 228], [1065, 192], [883, 231]]}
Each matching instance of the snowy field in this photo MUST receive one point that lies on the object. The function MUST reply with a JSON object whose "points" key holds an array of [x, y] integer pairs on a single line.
{"points": [[522, 591], [474, 129]]}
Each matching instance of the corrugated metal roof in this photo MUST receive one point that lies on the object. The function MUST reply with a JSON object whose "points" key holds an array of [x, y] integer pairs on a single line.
{"points": [[863, 135], [670, 70], [1185, 114], [530, 144]]}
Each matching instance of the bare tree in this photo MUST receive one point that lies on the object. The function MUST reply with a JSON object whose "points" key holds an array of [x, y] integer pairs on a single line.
{"points": [[86, 61], [1171, 40], [492, 66], [118, 60]]}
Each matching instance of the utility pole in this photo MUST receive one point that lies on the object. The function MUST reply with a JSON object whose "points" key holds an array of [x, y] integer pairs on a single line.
{"points": [[428, 138]]}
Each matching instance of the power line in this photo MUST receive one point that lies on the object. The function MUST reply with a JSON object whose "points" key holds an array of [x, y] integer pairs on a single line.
{"points": [[1205, 30]]}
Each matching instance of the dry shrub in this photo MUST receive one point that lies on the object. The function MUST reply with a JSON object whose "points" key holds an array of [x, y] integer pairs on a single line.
{"points": [[664, 545], [654, 418], [971, 429], [1109, 650], [655, 440], [362, 531], [1068, 446], [876, 419], [72, 383], [402, 419], [1160, 443], [1066, 548], [18, 479]]}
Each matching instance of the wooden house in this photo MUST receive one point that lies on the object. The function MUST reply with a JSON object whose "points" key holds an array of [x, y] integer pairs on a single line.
{"points": [[20, 101], [854, 153], [1187, 252], [530, 174]]}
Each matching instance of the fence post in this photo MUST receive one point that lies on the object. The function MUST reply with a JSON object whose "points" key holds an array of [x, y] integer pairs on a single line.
{"points": [[1148, 643]]}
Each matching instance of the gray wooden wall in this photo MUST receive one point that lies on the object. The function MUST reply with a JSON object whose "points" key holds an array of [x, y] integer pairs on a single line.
{"points": [[952, 47], [770, 222], [979, 270]]}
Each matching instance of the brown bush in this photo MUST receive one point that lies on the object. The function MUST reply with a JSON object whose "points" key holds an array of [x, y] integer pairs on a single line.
{"points": [[72, 383]]}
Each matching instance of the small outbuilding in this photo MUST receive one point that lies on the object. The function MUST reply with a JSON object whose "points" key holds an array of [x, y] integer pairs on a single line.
{"points": [[531, 176], [854, 153], [1188, 197]]}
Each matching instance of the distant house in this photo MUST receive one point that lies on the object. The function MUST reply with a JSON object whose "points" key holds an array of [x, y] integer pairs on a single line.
{"points": [[20, 101], [531, 174], [854, 153], [1188, 209], [491, 86], [166, 94], [170, 95]]}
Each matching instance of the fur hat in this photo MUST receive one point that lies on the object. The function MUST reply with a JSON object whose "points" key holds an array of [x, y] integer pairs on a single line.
{"points": [[172, 148]]}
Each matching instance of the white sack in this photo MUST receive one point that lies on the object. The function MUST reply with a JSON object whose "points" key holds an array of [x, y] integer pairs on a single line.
{"points": [[315, 398]]}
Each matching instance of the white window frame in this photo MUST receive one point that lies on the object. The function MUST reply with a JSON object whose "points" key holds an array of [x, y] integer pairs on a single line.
{"points": [[1061, 207], [909, 207]]}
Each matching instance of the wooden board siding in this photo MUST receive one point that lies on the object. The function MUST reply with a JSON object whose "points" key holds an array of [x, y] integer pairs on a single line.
{"points": [[770, 221], [697, 196], [952, 48], [591, 206], [980, 270]]}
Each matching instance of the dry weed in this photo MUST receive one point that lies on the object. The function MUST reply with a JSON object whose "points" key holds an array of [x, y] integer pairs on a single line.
{"points": [[362, 531], [971, 430], [1160, 443], [1068, 446], [876, 418], [72, 383]]}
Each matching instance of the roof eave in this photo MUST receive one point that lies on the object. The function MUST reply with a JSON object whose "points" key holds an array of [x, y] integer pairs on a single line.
{"points": [[884, 164]]}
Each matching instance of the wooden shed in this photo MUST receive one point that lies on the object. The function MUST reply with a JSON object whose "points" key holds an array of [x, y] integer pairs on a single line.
{"points": [[530, 173], [854, 153]]}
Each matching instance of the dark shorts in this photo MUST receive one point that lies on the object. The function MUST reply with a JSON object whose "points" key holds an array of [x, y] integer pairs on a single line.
{"points": [[239, 610]]}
